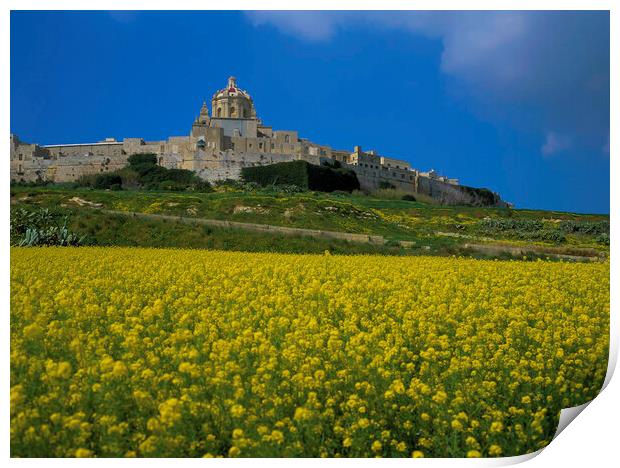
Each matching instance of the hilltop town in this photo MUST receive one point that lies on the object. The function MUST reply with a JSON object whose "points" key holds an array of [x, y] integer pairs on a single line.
{"points": [[220, 144]]}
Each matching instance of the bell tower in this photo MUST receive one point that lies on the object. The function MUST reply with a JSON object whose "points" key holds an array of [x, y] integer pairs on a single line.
{"points": [[202, 121]]}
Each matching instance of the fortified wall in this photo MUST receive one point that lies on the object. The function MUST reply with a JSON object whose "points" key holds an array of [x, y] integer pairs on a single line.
{"points": [[221, 144]]}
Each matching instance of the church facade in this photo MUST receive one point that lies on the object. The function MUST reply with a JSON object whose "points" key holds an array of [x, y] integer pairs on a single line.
{"points": [[219, 144]]}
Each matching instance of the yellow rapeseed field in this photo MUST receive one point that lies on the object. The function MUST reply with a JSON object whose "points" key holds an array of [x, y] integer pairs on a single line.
{"points": [[146, 352]]}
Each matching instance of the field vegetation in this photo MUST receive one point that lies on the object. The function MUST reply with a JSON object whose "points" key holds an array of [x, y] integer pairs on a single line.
{"points": [[183, 353], [425, 228]]}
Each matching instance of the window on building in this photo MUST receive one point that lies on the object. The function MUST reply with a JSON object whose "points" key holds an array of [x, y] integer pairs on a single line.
{"points": [[260, 146], [19, 169], [246, 114], [287, 139], [20, 156], [219, 111], [232, 111]]}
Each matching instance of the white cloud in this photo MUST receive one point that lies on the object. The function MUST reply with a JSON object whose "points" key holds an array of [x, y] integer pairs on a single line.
{"points": [[554, 66], [307, 25], [555, 143]]}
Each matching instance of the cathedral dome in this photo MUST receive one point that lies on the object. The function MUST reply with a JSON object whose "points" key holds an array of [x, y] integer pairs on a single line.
{"points": [[232, 102], [231, 90]]}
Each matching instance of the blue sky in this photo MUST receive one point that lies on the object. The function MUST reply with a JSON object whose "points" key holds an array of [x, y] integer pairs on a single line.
{"points": [[514, 101]]}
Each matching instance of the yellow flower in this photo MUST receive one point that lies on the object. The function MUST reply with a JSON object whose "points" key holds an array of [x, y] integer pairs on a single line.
{"points": [[63, 370], [473, 454], [83, 453], [497, 426], [495, 450], [471, 441], [376, 446], [119, 369], [301, 414], [234, 451], [153, 424], [33, 332], [440, 397], [170, 411], [417, 454], [280, 350], [277, 436], [237, 411]]}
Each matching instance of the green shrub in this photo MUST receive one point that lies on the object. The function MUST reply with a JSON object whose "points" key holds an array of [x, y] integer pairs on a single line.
{"points": [[140, 159], [285, 173], [327, 179], [485, 196], [603, 239], [503, 224], [106, 181], [41, 227], [303, 175], [100, 181], [585, 227], [331, 163], [201, 186], [384, 184], [144, 172]]}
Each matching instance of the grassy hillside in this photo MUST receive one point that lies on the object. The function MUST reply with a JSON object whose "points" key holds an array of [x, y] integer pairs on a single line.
{"points": [[442, 230]]}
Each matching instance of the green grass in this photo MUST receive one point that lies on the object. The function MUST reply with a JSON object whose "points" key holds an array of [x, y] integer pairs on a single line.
{"points": [[111, 229], [394, 219]]}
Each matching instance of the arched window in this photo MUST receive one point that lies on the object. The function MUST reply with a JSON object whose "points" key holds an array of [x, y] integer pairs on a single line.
{"points": [[232, 111], [245, 113], [219, 111]]}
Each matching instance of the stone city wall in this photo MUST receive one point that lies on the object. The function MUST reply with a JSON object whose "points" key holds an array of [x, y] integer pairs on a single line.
{"points": [[448, 194]]}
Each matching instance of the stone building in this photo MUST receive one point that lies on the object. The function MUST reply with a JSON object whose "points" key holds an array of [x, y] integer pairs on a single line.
{"points": [[216, 148]]}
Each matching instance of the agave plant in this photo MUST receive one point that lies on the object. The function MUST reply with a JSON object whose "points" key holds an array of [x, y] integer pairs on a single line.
{"points": [[41, 227]]}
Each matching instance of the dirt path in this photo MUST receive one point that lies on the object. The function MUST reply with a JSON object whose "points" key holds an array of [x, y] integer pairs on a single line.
{"points": [[363, 238], [497, 249]]}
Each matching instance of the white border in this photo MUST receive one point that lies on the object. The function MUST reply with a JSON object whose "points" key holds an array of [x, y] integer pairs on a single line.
{"points": [[590, 441]]}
